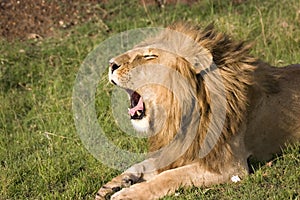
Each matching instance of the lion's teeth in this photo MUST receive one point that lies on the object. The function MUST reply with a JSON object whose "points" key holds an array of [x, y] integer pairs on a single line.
{"points": [[138, 113]]}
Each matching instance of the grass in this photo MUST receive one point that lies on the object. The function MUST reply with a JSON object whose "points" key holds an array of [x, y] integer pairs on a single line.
{"points": [[41, 154]]}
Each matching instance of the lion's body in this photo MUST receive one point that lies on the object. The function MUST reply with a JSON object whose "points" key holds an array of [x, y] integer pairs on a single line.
{"points": [[210, 73], [274, 110]]}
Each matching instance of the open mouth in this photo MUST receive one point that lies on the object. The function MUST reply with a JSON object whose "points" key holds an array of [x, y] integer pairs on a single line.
{"points": [[137, 107]]}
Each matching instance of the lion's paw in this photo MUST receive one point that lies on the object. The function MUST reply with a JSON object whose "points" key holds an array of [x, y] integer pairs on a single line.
{"points": [[135, 192], [106, 192], [122, 181], [125, 194]]}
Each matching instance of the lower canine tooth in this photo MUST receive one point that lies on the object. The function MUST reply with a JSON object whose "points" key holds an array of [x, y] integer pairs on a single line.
{"points": [[138, 113]]}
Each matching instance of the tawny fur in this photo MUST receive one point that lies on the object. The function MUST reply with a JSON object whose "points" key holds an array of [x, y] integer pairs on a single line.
{"points": [[262, 110]]}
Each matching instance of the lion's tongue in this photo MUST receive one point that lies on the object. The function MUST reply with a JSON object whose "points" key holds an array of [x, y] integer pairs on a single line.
{"points": [[139, 106]]}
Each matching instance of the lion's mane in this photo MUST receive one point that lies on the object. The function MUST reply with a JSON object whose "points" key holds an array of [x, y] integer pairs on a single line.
{"points": [[236, 67]]}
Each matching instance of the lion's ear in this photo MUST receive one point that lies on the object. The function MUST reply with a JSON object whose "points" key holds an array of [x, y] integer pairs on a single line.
{"points": [[202, 61]]}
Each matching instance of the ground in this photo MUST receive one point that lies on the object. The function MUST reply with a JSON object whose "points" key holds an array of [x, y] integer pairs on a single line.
{"points": [[40, 18]]}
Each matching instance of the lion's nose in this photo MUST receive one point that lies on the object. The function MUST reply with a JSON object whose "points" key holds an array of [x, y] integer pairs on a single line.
{"points": [[114, 66]]}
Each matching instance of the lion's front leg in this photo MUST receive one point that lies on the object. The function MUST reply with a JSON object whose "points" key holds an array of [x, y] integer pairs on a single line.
{"points": [[169, 181], [138, 173]]}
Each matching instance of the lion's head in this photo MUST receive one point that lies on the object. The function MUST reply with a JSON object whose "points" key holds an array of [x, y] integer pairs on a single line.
{"points": [[154, 79]]}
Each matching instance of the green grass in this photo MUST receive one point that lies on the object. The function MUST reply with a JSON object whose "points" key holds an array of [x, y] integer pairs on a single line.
{"points": [[41, 154]]}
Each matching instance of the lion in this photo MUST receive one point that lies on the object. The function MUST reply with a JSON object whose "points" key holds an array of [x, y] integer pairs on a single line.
{"points": [[207, 105]]}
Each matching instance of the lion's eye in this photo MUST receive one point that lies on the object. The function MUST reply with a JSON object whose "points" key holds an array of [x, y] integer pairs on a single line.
{"points": [[148, 57]]}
